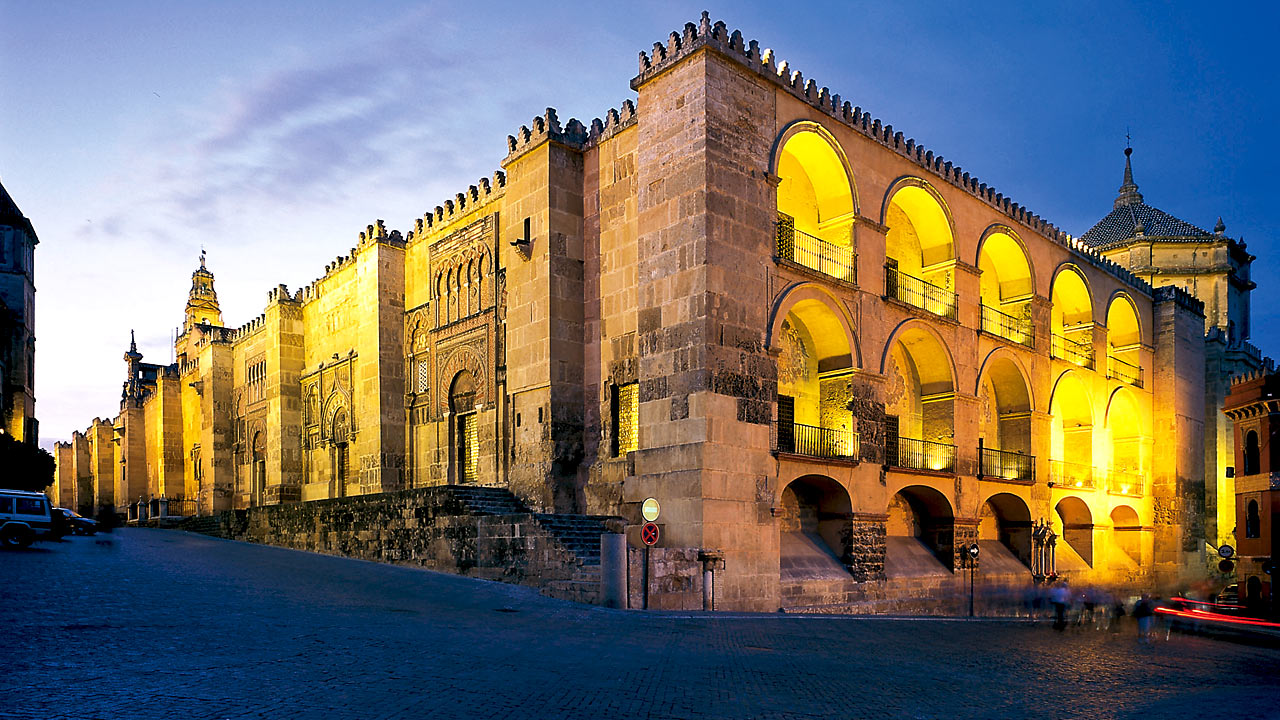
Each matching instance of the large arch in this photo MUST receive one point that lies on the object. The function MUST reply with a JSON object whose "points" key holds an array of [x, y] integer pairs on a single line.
{"points": [[1127, 531], [1004, 534], [1006, 285], [1077, 528], [816, 354], [1129, 431], [814, 525], [919, 398], [919, 246], [1004, 418], [1124, 340], [920, 533], [811, 294], [1071, 318], [1071, 440], [816, 200]]}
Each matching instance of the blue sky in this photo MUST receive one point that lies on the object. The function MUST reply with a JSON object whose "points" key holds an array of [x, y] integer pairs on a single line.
{"points": [[269, 133]]}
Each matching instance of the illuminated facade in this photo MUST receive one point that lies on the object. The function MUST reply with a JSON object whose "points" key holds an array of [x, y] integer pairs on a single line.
{"points": [[827, 351]]}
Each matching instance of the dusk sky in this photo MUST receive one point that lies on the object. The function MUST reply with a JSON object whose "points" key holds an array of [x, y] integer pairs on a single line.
{"points": [[270, 133]]}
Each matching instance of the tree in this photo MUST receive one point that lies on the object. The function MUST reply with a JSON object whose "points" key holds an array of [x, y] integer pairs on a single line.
{"points": [[23, 466]]}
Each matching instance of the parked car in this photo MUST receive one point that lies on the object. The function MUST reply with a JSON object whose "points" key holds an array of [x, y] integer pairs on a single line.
{"points": [[1229, 595], [74, 523], [24, 518]]}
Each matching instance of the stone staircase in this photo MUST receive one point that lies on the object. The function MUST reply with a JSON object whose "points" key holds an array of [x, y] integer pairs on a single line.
{"points": [[202, 524], [481, 500], [580, 534]]}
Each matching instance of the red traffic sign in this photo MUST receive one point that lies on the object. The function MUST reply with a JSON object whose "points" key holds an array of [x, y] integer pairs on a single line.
{"points": [[649, 534]]}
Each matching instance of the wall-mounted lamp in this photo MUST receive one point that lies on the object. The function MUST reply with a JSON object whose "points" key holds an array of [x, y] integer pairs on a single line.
{"points": [[524, 245]]}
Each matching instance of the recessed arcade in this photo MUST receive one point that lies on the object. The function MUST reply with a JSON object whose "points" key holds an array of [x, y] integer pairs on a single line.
{"points": [[1006, 287], [1071, 320], [816, 202], [815, 363], [919, 248], [919, 401], [1004, 421]]}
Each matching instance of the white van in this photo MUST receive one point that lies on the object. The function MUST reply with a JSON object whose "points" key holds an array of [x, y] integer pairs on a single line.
{"points": [[24, 518]]}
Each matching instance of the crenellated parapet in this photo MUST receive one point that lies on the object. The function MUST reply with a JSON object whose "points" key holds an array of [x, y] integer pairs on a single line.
{"points": [[1184, 299], [717, 37], [615, 121], [459, 206], [545, 128]]}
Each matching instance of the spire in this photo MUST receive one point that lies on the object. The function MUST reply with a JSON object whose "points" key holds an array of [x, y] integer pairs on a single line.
{"points": [[1129, 194], [1220, 228], [202, 300], [133, 343]]}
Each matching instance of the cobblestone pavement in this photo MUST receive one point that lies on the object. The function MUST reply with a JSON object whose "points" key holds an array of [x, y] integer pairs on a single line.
{"points": [[164, 624]]}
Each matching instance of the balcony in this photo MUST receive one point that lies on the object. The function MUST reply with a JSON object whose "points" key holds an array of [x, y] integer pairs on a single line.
{"points": [[1125, 482], [1124, 372], [813, 441], [1006, 466], [1064, 348], [813, 252], [916, 454], [919, 293], [1013, 329], [1071, 476]]}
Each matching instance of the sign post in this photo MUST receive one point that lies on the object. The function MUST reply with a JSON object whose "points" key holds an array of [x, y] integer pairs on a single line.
{"points": [[649, 536], [972, 552]]}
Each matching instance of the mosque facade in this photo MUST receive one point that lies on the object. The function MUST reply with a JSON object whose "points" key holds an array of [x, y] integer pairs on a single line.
{"points": [[831, 354]]}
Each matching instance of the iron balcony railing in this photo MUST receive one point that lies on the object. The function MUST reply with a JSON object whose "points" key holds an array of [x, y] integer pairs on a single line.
{"points": [[1125, 482], [815, 253], [1064, 348], [924, 455], [920, 293], [1070, 475], [1007, 466], [816, 441], [1014, 329], [1124, 371]]}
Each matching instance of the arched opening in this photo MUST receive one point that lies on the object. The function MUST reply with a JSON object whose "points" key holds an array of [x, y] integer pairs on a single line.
{"points": [[1252, 521], [1006, 288], [919, 403], [465, 428], [1128, 445], [1124, 342], [1071, 319], [815, 526], [920, 533], [340, 442], [1128, 532], [1077, 532], [815, 365], [1004, 534], [919, 250], [258, 468], [1253, 595], [1071, 438], [1004, 423], [1252, 455], [815, 204]]}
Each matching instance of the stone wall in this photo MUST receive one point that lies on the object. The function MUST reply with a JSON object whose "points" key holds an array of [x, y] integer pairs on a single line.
{"points": [[675, 579], [428, 528]]}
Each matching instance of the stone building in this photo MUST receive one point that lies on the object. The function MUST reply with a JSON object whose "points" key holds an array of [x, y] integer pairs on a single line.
{"points": [[830, 353], [1215, 268], [17, 322], [1253, 406]]}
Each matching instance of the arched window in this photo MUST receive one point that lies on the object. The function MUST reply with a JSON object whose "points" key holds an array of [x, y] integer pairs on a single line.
{"points": [[1251, 454], [1252, 523], [462, 404]]}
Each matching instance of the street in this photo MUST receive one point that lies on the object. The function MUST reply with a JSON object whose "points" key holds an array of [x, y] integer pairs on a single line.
{"points": [[160, 624]]}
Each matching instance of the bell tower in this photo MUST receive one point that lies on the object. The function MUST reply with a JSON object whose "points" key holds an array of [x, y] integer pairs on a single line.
{"points": [[202, 301]]}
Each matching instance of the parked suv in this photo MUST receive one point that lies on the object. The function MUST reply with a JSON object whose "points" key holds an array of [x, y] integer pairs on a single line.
{"points": [[24, 518]]}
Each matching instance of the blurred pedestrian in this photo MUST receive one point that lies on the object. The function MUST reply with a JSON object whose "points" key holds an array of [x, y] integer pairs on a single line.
{"points": [[1144, 612], [1117, 614], [1060, 596]]}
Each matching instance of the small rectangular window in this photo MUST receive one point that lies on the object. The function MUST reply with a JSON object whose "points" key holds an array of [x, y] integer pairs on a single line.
{"points": [[424, 376], [31, 506], [626, 418], [6, 505]]}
